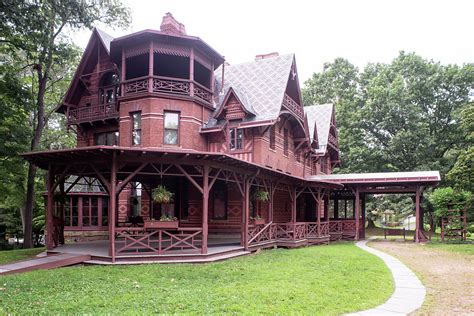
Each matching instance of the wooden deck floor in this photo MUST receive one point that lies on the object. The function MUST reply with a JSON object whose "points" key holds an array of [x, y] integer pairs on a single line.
{"points": [[220, 247]]}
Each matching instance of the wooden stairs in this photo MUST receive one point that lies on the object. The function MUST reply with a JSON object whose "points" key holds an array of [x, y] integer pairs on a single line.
{"points": [[45, 262]]}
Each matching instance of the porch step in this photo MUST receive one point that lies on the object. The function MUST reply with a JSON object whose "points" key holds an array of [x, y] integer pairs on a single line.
{"points": [[204, 259], [44, 262]]}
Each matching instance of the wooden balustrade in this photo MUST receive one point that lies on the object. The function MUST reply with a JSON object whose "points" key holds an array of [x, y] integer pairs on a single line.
{"points": [[292, 106], [138, 240], [167, 85], [287, 232], [93, 113]]}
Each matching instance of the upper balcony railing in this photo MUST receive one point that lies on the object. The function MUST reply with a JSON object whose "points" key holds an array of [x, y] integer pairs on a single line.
{"points": [[292, 106], [167, 85], [90, 114]]}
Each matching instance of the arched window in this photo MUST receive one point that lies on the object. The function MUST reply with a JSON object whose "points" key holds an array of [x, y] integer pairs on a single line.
{"points": [[108, 88]]}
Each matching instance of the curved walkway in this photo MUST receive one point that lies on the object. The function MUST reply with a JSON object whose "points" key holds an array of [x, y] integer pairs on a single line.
{"points": [[409, 291]]}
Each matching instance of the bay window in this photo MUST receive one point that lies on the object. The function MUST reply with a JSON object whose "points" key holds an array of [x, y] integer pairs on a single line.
{"points": [[236, 138], [136, 128]]}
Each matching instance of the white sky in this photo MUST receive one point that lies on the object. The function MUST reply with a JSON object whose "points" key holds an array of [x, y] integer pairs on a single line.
{"points": [[317, 31]]}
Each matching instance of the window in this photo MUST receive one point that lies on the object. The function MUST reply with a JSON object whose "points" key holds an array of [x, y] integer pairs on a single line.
{"points": [[324, 165], [136, 128], [108, 88], [135, 199], [171, 124], [272, 137], [90, 215], [71, 212], [285, 142], [236, 138], [107, 138]]}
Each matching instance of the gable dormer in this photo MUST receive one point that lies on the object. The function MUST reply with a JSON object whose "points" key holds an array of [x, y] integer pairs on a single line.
{"points": [[234, 107], [91, 96]]}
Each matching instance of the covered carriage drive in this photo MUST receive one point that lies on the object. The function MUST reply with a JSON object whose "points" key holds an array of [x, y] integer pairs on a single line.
{"points": [[246, 165]]}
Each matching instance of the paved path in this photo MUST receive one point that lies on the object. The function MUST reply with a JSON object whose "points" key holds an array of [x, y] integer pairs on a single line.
{"points": [[409, 291]]}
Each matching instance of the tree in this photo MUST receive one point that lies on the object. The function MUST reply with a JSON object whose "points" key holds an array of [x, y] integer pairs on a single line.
{"points": [[35, 30]]}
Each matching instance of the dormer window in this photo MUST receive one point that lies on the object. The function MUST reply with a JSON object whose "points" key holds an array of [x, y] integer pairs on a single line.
{"points": [[236, 138], [108, 88]]}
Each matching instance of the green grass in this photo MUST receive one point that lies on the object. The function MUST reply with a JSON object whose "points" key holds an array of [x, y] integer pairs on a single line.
{"points": [[459, 247], [324, 280], [7, 256]]}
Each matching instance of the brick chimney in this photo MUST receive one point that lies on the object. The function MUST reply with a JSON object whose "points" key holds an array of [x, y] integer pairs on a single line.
{"points": [[169, 25], [264, 56]]}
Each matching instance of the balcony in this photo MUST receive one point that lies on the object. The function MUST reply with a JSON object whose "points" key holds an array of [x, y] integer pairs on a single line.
{"points": [[93, 114], [292, 106], [167, 86]]}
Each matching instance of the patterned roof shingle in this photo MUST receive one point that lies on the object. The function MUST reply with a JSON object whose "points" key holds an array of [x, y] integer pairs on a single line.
{"points": [[260, 84], [319, 117]]}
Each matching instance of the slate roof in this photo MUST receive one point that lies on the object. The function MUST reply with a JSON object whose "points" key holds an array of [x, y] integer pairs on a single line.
{"points": [[319, 117], [106, 38], [260, 85]]}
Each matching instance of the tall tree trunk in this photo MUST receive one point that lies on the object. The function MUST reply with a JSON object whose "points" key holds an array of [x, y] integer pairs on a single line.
{"points": [[35, 142], [27, 211], [370, 223]]}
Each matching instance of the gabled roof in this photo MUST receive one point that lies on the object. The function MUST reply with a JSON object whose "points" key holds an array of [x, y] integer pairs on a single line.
{"points": [[241, 98], [106, 38], [260, 84], [319, 118]]}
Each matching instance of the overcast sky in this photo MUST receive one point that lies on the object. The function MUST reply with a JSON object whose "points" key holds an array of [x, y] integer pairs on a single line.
{"points": [[317, 31]]}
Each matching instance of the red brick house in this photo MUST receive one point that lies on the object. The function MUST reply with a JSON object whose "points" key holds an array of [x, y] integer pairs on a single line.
{"points": [[247, 165]]}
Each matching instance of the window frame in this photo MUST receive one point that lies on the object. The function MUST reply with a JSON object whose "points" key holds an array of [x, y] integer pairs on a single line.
{"points": [[235, 138], [178, 128], [135, 130], [272, 137], [106, 134]]}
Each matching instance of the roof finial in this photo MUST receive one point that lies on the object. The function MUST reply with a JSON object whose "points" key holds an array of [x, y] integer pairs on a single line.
{"points": [[170, 26]]}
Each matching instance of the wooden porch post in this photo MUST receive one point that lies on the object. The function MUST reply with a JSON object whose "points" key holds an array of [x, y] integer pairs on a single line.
{"points": [[357, 213], [122, 74], [246, 213], [270, 203], [49, 210], [150, 67], [191, 72], [112, 206], [61, 214], [417, 214], [205, 207], [318, 212], [336, 207], [293, 204], [363, 215]]}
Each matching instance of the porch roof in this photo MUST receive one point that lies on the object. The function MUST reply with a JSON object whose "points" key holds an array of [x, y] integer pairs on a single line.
{"points": [[102, 154], [382, 178]]}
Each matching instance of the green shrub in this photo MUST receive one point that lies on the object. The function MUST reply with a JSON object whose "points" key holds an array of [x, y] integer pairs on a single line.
{"points": [[444, 199]]}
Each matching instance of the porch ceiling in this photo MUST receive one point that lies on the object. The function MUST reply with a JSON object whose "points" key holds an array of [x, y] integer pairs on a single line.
{"points": [[101, 158]]}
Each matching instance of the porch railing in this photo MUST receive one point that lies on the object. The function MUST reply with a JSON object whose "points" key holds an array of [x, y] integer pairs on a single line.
{"points": [[167, 85], [287, 232], [137, 240], [292, 106], [93, 113]]}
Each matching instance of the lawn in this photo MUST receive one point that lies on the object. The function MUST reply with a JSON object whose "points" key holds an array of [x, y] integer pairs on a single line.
{"points": [[459, 247], [324, 280], [20, 254]]}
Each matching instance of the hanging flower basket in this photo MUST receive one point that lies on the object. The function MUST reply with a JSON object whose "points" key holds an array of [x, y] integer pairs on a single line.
{"points": [[261, 196], [162, 195]]}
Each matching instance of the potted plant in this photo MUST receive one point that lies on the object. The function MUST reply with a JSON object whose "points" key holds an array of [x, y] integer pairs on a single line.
{"points": [[166, 221], [257, 220], [162, 195], [261, 196]]}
